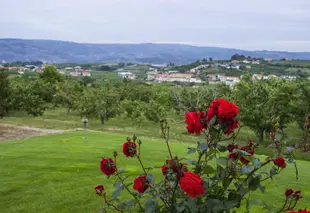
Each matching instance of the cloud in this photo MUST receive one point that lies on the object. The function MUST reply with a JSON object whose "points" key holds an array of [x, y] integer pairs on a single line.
{"points": [[264, 24]]}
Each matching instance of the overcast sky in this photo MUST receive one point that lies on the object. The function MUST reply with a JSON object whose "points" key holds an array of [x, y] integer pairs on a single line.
{"points": [[244, 24]]}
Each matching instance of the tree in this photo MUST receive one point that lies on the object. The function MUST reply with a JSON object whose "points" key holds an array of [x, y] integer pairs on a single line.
{"points": [[50, 75], [68, 93], [210, 59], [263, 104], [4, 93], [98, 103]]}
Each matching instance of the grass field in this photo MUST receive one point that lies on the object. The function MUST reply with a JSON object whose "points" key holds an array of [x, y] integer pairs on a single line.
{"points": [[57, 173], [58, 119]]}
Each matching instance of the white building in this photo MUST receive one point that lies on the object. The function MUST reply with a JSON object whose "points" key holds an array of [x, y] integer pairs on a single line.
{"points": [[126, 75]]}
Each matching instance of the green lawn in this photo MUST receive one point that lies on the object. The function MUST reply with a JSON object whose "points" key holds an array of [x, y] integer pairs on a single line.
{"points": [[57, 173]]}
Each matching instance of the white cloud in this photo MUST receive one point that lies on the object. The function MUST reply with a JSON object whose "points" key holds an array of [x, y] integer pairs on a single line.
{"points": [[264, 24]]}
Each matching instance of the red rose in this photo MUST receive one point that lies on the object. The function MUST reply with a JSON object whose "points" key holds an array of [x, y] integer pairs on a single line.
{"points": [[141, 184], [231, 125], [107, 166], [99, 189], [225, 113], [193, 121], [129, 149], [288, 192], [223, 109], [164, 169], [192, 184], [231, 148], [301, 211], [280, 162], [248, 150]]}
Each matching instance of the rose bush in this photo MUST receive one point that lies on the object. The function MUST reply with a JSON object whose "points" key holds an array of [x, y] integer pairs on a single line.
{"points": [[218, 181]]}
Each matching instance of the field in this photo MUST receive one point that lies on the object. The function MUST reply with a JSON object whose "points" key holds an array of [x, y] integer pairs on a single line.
{"points": [[57, 173]]}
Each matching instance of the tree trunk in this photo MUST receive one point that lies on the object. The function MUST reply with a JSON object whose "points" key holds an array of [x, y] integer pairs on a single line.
{"points": [[102, 119], [68, 108], [261, 135]]}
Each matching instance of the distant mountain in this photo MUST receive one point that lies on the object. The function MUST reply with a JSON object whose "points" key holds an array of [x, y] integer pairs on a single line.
{"points": [[65, 52]]}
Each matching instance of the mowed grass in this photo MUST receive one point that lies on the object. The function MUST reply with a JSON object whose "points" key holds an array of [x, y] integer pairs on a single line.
{"points": [[57, 173]]}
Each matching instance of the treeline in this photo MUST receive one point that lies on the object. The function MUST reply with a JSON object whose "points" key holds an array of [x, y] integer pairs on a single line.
{"points": [[263, 104]]}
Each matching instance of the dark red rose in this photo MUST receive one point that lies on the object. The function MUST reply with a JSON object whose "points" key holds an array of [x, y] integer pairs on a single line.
{"points": [[192, 184], [223, 109], [129, 149], [297, 194], [301, 211], [141, 184], [194, 122], [107, 166], [99, 189], [280, 162], [248, 150], [288, 192], [164, 169], [231, 125], [233, 156], [231, 148]]}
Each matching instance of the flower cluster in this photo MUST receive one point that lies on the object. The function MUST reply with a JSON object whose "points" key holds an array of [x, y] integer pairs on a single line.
{"points": [[195, 186], [221, 113], [235, 155]]}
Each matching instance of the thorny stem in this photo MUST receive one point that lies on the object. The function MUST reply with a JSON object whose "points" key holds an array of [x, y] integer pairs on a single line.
{"points": [[283, 207], [145, 173], [252, 172], [120, 178], [165, 131], [111, 204]]}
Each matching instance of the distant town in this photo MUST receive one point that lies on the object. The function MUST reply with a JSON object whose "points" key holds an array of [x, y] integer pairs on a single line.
{"points": [[203, 71]]}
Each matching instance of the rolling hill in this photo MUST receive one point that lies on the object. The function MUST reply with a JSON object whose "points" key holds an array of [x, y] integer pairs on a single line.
{"points": [[53, 51]]}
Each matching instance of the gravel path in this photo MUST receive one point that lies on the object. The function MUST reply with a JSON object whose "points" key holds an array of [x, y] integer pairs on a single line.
{"points": [[13, 132]]}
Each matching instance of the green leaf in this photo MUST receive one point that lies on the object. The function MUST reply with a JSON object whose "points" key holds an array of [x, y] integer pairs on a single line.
{"points": [[213, 120], [256, 163], [216, 205], [278, 137], [208, 170], [180, 206], [150, 178], [202, 147], [246, 169], [231, 204], [222, 160], [118, 188], [244, 152], [150, 205], [191, 150], [261, 188], [121, 170]]}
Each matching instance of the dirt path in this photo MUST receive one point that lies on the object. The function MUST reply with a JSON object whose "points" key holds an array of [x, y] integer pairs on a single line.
{"points": [[13, 132]]}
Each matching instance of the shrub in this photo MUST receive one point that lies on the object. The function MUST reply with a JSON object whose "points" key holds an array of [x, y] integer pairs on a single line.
{"points": [[217, 182]]}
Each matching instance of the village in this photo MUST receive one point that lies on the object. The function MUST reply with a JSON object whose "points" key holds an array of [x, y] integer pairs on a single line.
{"points": [[169, 74]]}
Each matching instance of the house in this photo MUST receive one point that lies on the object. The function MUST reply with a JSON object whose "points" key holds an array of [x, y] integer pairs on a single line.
{"points": [[173, 71], [21, 72], [75, 73], [255, 62], [272, 76], [84, 73], [126, 75], [230, 80], [193, 70], [268, 59], [235, 61], [235, 66], [248, 66], [246, 61], [68, 68], [212, 77], [257, 76]]}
